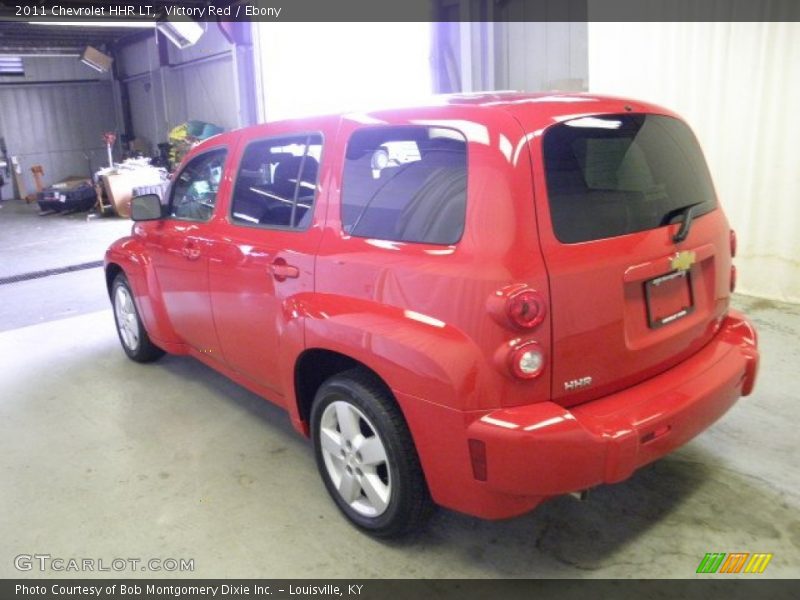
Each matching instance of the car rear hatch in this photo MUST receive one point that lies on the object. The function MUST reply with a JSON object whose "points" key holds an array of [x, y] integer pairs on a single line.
{"points": [[630, 295]]}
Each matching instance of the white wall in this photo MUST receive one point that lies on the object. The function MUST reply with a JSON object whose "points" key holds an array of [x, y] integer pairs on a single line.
{"points": [[738, 85], [347, 67]]}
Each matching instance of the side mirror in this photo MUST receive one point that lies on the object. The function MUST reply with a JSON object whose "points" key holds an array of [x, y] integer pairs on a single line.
{"points": [[146, 208]]}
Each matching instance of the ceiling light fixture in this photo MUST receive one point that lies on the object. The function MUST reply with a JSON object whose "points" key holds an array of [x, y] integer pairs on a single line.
{"points": [[99, 61], [181, 33]]}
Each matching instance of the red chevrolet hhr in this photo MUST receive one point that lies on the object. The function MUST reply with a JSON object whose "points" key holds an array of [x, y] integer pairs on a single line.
{"points": [[480, 303]]}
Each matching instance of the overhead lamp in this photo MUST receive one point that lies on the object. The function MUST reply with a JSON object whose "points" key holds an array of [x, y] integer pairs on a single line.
{"points": [[181, 33], [92, 57]]}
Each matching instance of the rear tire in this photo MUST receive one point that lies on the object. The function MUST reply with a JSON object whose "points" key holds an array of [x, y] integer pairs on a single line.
{"points": [[366, 456], [132, 334]]}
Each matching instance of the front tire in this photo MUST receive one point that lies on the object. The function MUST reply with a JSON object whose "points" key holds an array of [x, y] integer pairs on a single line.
{"points": [[131, 331], [366, 456]]}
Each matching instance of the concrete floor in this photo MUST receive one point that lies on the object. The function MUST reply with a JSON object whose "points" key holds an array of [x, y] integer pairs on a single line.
{"points": [[104, 458], [29, 242]]}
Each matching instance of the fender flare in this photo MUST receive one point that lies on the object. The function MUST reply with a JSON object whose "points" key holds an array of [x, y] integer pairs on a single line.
{"points": [[131, 257], [415, 354]]}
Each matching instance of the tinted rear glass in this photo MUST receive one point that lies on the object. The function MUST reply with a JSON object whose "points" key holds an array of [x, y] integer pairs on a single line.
{"points": [[616, 174], [405, 184]]}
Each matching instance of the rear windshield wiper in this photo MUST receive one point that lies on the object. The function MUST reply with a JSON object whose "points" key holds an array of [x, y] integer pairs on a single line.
{"points": [[686, 213]]}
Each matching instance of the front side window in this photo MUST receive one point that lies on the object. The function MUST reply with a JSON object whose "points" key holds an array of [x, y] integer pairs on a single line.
{"points": [[194, 191], [612, 175], [277, 182], [406, 184]]}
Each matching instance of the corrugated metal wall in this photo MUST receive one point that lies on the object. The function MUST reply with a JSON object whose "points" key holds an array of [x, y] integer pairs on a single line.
{"points": [[541, 56], [55, 68], [200, 83], [205, 92], [505, 47], [526, 56], [55, 117]]}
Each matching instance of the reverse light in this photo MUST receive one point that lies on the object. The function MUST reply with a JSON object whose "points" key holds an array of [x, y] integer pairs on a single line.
{"points": [[525, 308], [527, 360], [733, 243]]}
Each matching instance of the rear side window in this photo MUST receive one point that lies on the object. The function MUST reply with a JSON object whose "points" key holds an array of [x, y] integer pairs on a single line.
{"points": [[616, 174], [277, 182], [406, 184]]}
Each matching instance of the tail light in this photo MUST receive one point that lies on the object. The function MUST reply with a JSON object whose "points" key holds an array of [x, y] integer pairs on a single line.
{"points": [[733, 243], [518, 306], [525, 308], [733, 278], [527, 360]]}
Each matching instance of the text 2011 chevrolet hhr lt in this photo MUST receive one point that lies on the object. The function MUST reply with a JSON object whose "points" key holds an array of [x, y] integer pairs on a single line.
{"points": [[480, 303]]}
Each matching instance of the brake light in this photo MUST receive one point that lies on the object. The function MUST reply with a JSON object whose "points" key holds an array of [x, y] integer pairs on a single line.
{"points": [[525, 308], [733, 243], [733, 278], [527, 360]]}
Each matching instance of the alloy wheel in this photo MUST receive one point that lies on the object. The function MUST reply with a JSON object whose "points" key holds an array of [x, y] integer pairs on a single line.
{"points": [[355, 458], [127, 321]]}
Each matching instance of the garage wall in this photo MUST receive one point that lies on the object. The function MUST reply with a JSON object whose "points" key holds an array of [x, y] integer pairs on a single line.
{"points": [[54, 116], [738, 85], [55, 68], [541, 56], [138, 70], [205, 92], [509, 46], [200, 82]]}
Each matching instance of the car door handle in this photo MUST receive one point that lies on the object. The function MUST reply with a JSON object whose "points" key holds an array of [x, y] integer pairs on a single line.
{"points": [[282, 271], [191, 251]]}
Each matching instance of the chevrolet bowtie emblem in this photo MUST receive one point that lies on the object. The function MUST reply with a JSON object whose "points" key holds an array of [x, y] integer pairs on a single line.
{"points": [[683, 261]]}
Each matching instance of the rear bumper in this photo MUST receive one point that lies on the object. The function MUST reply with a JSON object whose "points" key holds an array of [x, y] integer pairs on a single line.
{"points": [[545, 449]]}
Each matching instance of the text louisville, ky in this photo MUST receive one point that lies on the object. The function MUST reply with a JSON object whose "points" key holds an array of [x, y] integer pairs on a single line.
{"points": [[178, 591]]}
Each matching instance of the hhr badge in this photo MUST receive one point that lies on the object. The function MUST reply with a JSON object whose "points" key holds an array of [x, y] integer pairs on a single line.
{"points": [[576, 384], [683, 261]]}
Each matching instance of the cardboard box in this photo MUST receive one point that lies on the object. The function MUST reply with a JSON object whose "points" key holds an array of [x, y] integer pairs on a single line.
{"points": [[119, 187]]}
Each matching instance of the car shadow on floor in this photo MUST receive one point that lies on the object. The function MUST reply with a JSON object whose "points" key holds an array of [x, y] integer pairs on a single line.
{"points": [[229, 391], [677, 508]]}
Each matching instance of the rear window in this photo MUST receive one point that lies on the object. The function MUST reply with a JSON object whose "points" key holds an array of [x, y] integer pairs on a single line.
{"points": [[616, 174], [406, 184]]}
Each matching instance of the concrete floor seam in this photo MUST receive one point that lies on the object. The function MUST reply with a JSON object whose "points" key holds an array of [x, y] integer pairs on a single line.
{"points": [[49, 272]]}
